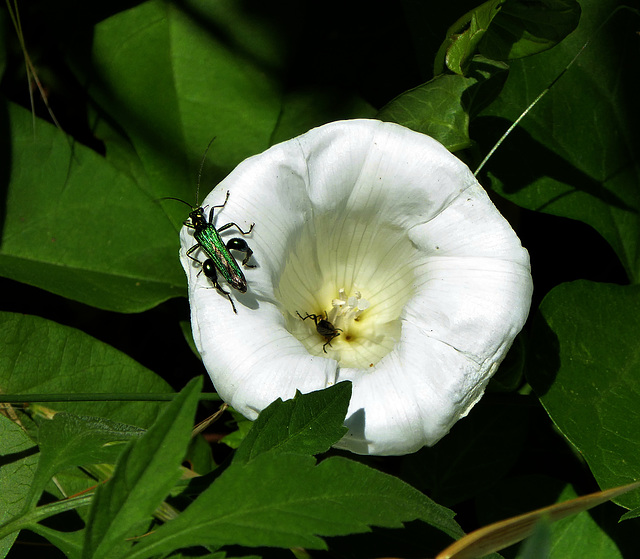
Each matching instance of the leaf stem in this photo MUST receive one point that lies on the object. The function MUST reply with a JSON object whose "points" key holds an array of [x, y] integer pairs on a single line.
{"points": [[98, 397], [45, 511]]}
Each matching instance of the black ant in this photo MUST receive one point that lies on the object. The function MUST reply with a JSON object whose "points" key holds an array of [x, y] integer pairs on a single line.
{"points": [[327, 330]]}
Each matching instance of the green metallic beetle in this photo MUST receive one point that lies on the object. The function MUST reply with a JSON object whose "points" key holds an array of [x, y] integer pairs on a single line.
{"points": [[219, 258]]}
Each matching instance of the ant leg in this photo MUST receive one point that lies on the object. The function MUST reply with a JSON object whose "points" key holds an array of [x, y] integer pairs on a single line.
{"points": [[311, 316], [329, 339]]}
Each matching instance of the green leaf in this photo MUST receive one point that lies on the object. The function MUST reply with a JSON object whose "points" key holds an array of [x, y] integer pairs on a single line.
{"points": [[581, 535], [175, 76], [70, 543], [18, 461], [69, 440], [144, 474], [286, 500], [525, 28], [441, 107], [575, 153], [242, 427], [635, 513], [464, 36], [307, 424], [80, 227], [505, 30], [587, 375], [40, 356], [538, 544]]}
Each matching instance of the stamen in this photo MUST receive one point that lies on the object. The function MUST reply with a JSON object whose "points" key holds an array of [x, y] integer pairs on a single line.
{"points": [[360, 274], [346, 309]]}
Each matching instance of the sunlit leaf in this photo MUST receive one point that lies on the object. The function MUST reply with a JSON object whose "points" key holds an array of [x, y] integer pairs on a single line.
{"points": [[441, 107], [307, 424], [69, 440], [79, 227], [40, 356], [286, 500], [175, 77], [144, 474], [464, 36]]}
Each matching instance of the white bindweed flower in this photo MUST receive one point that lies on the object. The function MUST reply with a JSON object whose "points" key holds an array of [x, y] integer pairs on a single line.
{"points": [[381, 228]]}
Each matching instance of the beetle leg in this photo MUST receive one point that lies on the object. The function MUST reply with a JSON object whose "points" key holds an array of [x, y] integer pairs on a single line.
{"points": [[241, 246]]}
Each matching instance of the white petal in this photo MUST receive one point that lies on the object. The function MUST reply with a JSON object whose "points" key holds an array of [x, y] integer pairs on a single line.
{"points": [[381, 167], [364, 205], [414, 395]]}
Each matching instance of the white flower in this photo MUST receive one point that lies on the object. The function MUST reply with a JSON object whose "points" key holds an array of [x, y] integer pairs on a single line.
{"points": [[390, 235]]}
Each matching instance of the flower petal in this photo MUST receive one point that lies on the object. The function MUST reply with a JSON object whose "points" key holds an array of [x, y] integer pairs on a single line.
{"points": [[358, 205]]}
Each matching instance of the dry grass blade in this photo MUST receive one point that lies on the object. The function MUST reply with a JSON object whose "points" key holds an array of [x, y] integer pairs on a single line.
{"points": [[502, 534], [30, 69], [205, 423]]}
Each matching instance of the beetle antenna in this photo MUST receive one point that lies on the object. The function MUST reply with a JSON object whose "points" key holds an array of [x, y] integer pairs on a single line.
{"points": [[178, 200], [204, 157]]}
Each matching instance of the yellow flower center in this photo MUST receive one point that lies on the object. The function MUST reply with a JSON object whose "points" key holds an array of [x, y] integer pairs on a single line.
{"points": [[344, 286]]}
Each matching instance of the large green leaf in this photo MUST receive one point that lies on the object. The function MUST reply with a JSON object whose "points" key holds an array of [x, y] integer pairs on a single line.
{"points": [[167, 80], [576, 154], [81, 227], [144, 474], [176, 76], [40, 356], [587, 375], [286, 500], [18, 461], [525, 28]]}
